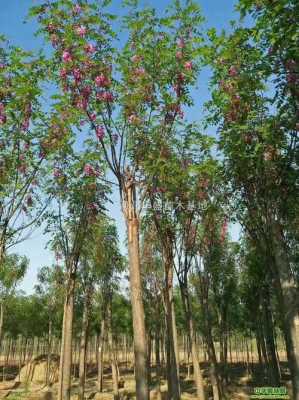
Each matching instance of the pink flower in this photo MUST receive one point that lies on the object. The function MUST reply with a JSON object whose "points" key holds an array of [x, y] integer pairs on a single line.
{"points": [[2, 119], [105, 96], [1, 108], [77, 9], [25, 124], [26, 146], [77, 74], [66, 56], [63, 73], [101, 80], [81, 30], [57, 173], [93, 117], [86, 91], [88, 170], [90, 48], [100, 132], [233, 71], [188, 65], [139, 71], [181, 43], [135, 58], [82, 104]]}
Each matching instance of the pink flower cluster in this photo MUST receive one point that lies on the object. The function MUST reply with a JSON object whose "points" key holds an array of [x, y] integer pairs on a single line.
{"points": [[81, 30], [100, 132], [2, 114], [105, 96], [90, 48], [89, 170], [102, 81], [66, 56]]}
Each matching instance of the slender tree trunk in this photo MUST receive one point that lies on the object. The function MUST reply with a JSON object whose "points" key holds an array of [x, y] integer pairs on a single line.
{"points": [[270, 344], [101, 356], [198, 378], [157, 351], [140, 346], [83, 347], [172, 365], [64, 388], [1, 320], [112, 353], [288, 299], [49, 352]]}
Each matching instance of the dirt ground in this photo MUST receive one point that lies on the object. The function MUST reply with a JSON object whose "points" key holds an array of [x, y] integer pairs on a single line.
{"points": [[238, 386]]}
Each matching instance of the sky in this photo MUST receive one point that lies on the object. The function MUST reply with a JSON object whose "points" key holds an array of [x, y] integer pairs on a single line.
{"points": [[218, 14]]}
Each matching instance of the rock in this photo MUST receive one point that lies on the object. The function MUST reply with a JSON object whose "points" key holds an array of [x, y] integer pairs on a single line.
{"points": [[35, 370]]}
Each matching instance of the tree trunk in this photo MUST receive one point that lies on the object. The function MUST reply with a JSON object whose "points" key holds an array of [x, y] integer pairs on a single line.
{"points": [[64, 388], [83, 347], [172, 362], [112, 354], [1, 320], [273, 367], [140, 346], [101, 356], [288, 299], [49, 352], [191, 335], [157, 351]]}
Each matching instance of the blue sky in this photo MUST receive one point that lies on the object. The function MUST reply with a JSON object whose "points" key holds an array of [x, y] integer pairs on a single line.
{"points": [[218, 14]]}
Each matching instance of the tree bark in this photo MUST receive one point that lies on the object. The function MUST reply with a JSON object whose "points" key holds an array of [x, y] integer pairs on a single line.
{"points": [[1, 320], [172, 364], [64, 388], [288, 299], [112, 354], [101, 356], [83, 347], [198, 378]]}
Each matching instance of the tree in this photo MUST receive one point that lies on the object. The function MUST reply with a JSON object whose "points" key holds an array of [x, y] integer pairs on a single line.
{"points": [[13, 271], [124, 98]]}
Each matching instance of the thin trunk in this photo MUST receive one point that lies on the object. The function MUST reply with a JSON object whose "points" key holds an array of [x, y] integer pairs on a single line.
{"points": [[157, 351], [83, 347], [1, 320], [112, 354], [64, 388], [140, 346], [172, 366], [49, 352], [198, 378], [269, 336], [101, 356], [288, 299]]}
